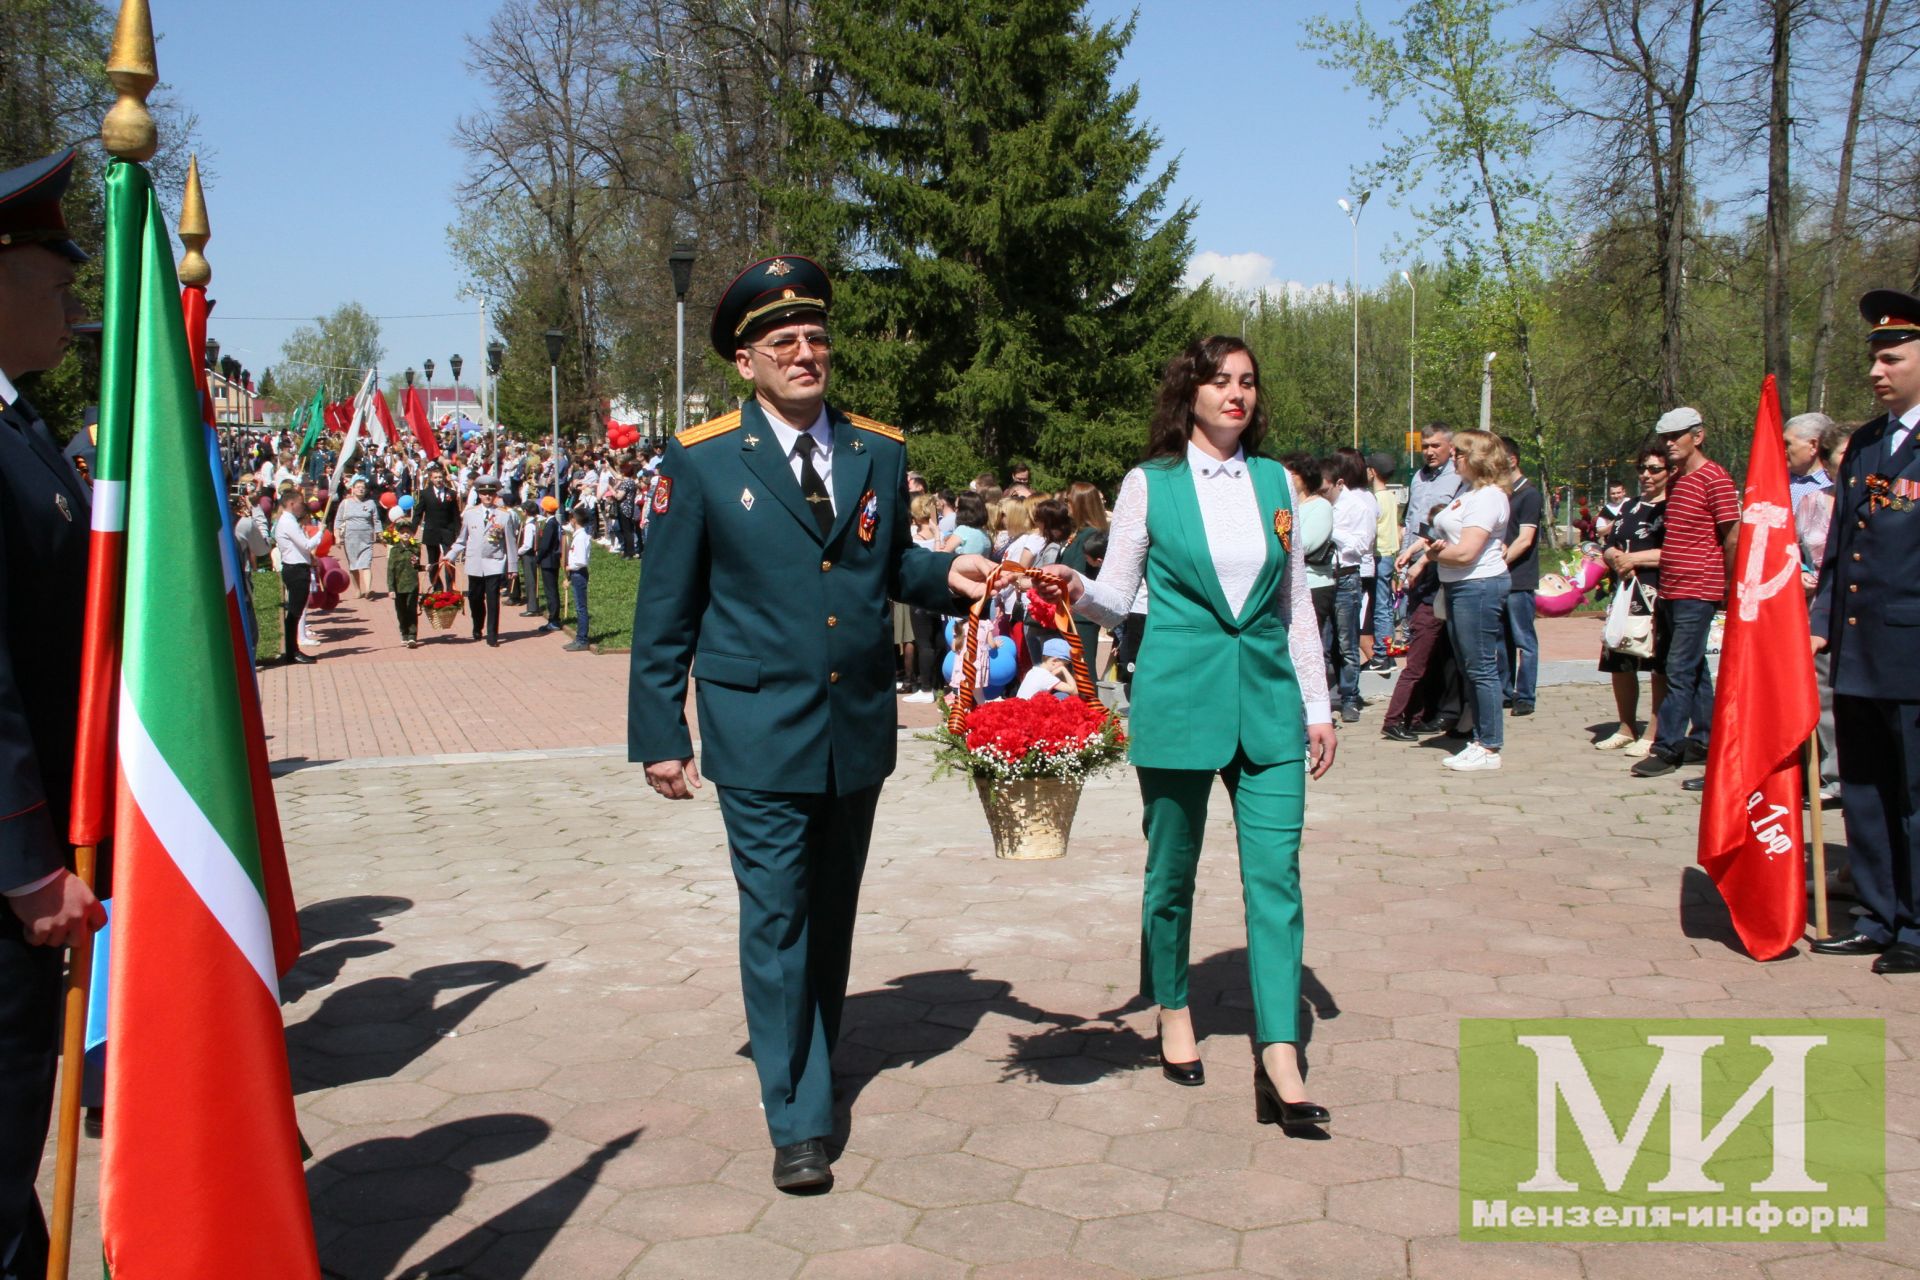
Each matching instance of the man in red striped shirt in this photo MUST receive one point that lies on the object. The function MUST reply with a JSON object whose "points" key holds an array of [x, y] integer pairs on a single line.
{"points": [[1696, 562]]}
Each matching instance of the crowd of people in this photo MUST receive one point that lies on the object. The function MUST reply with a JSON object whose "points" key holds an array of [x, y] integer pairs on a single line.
{"points": [[520, 519]]}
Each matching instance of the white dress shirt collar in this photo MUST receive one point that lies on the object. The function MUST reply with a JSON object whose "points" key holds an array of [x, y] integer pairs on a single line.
{"points": [[7, 393], [1206, 466], [1907, 422], [788, 435]]}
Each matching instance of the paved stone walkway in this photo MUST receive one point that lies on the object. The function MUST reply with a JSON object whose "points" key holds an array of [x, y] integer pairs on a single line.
{"points": [[518, 1041]]}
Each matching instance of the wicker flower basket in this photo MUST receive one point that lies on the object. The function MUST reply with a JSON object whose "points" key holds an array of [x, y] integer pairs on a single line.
{"points": [[444, 618], [1030, 817]]}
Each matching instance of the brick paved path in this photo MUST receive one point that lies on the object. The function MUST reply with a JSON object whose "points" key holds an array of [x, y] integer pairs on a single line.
{"points": [[517, 1032]]}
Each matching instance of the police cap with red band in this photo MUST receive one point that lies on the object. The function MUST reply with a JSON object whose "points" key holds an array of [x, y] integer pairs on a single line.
{"points": [[1890, 315]]}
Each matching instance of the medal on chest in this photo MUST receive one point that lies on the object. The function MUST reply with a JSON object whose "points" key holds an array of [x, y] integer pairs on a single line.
{"points": [[869, 516]]}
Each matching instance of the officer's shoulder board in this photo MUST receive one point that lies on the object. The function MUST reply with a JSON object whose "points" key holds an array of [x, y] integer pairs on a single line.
{"points": [[894, 434], [708, 430]]}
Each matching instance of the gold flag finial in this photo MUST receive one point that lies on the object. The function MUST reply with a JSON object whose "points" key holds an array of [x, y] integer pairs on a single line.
{"points": [[128, 131], [194, 231]]}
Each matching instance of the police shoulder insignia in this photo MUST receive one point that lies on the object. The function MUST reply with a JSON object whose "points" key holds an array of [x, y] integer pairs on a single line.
{"points": [[878, 428], [662, 495], [1283, 529], [708, 430]]}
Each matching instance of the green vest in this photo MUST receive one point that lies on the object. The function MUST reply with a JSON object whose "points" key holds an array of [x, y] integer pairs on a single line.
{"points": [[1209, 685]]}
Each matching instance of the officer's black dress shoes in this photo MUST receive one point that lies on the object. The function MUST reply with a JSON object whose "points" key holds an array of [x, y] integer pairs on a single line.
{"points": [[304, 659], [1848, 944], [1695, 785], [1901, 957], [802, 1166], [1399, 732]]}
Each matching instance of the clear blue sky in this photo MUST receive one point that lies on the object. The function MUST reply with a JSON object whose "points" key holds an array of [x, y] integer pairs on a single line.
{"points": [[334, 176]]}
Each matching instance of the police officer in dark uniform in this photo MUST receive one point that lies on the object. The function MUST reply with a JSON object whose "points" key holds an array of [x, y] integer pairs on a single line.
{"points": [[778, 535], [44, 520], [1867, 615]]}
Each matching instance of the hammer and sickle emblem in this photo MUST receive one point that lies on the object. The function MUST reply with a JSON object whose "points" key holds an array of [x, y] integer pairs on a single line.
{"points": [[1755, 587]]}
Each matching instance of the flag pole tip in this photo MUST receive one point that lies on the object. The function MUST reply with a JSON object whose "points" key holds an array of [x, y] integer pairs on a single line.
{"points": [[194, 230], [128, 131]]}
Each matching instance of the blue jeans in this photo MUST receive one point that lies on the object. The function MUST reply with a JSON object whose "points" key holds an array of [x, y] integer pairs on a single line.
{"points": [[1475, 625], [577, 582], [1687, 713], [1520, 671], [1347, 592], [1382, 604]]}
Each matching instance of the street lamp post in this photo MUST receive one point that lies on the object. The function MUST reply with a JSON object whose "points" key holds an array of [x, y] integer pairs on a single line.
{"points": [[1413, 338], [454, 362], [555, 341], [1486, 393], [426, 367], [496, 356], [1353, 295], [680, 263]]}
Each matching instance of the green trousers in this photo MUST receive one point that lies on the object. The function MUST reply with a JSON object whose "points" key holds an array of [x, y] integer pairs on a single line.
{"points": [[797, 860], [1269, 803]]}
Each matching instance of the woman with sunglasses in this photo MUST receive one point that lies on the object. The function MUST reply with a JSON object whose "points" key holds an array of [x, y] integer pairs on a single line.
{"points": [[1230, 682], [1633, 553]]}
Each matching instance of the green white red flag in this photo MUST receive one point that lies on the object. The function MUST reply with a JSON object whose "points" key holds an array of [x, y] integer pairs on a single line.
{"points": [[201, 1166]]}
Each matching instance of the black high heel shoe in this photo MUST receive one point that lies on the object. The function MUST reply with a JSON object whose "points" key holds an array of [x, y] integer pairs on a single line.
{"points": [[1270, 1108], [1187, 1073]]}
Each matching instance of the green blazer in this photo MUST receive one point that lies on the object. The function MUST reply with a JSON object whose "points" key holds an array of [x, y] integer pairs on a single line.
{"points": [[1210, 684], [789, 635]]}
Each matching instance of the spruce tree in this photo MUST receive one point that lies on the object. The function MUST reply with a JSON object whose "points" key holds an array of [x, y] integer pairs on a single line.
{"points": [[1007, 286]]}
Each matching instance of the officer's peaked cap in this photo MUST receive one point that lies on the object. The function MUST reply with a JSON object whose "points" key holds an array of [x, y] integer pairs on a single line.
{"points": [[766, 291]]}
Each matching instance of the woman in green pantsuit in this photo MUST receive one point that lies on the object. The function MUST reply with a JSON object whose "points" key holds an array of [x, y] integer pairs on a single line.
{"points": [[1230, 682]]}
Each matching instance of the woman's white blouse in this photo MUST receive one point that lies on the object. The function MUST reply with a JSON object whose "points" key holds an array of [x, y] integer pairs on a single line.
{"points": [[1236, 535]]}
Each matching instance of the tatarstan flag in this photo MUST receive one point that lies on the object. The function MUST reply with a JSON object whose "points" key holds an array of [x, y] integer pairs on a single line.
{"points": [[200, 1168]]}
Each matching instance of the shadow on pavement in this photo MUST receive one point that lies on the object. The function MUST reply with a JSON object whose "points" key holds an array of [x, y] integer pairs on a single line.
{"points": [[336, 922], [376, 1028], [916, 1018], [1703, 912], [387, 1193]]}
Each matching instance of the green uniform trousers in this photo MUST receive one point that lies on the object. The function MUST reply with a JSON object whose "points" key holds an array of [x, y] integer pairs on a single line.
{"points": [[797, 859], [1269, 803]]}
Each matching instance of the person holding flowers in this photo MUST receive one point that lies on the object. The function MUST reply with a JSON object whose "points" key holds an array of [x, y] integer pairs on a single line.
{"points": [[1230, 682], [403, 575]]}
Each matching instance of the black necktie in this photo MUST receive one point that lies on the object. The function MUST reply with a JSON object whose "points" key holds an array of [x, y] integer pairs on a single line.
{"points": [[811, 485]]}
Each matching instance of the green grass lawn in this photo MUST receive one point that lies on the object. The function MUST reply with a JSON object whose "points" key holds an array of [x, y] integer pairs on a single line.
{"points": [[266, 614], [612, 585]]}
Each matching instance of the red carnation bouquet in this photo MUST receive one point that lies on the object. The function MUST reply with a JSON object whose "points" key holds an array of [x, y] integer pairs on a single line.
{"points": [[1031, 738]]}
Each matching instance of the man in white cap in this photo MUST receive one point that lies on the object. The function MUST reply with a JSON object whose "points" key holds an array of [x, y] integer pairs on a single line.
{"points": [[1696, 563]]}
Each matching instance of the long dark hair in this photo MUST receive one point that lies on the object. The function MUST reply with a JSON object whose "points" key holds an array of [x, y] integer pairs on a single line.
{"points": [[1172, 423]]}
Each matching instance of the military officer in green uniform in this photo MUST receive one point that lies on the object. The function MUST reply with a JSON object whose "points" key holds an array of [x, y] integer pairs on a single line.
{"points": [[777, 536]]}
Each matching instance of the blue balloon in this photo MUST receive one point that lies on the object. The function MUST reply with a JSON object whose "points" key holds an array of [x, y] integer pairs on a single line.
{"points": [[406, 502]]}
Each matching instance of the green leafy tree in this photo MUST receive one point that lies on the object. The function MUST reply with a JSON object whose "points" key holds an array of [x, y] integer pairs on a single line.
{"points": [[1006, 275], [1474, 100], [334, 351]]}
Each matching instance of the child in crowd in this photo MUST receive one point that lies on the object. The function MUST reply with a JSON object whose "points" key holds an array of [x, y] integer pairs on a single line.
{"points": [[403, 577], [1054, 675]]}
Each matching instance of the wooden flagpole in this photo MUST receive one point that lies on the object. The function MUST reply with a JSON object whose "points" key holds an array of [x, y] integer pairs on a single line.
{"points": [[73, 1051], [1816, 838], [129, 134]]}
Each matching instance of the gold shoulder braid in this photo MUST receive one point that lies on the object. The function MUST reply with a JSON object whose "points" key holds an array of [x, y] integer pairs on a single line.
{"points": [[878, 428], [708, 430]]}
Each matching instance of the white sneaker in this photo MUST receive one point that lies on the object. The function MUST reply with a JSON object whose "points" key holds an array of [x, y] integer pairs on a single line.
{"points": [[917, 697], [1475, 757]]}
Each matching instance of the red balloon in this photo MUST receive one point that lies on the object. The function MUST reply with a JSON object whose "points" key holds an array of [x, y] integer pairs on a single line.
{"points": [[389, 499]]}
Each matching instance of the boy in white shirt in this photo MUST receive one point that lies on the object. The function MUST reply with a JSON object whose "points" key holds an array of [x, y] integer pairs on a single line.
{"points": [[1053, 674], [579, 551]]}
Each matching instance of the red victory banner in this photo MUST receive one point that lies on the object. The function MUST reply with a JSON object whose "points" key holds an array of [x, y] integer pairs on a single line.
{"points": [[1765, 708]]}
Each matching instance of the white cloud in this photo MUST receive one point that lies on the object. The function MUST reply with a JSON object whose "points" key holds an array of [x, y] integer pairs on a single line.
{"points": [[1251, 274]]}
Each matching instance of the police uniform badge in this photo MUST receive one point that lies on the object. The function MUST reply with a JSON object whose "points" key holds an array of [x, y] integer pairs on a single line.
{"points": [[60, 501], [662, 495], [1283, 530], [869, 516]]}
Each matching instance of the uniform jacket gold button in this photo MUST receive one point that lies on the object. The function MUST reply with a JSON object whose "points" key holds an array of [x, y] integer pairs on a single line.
{"points": [[1853, 586], [833, 677], [832, 621], [825, 565], [1856, 555], [1853, 622]]}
